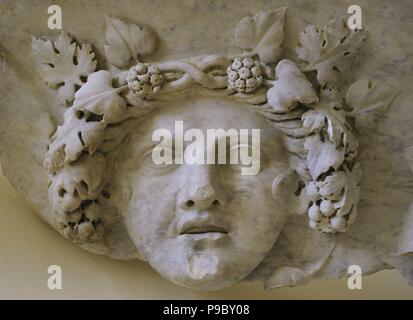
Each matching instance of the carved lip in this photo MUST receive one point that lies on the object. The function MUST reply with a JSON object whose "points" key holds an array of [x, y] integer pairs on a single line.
{"points": [[201, 225]]}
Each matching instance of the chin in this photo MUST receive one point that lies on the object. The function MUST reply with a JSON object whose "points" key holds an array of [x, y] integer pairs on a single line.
{"points": [[206, 271]]}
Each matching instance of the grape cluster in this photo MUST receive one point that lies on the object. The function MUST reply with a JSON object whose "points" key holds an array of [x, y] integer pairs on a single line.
{"points": [[144, 80], [326, 212], [82, 224], [244, 75]]}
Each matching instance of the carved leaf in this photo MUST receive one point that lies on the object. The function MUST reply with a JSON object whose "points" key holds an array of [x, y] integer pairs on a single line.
{"points": [[369, 101], [333, 140], [126, 41], [311, 40], [365, 96], [351, 195], [263, 34], [328, 51], [333, 126], [72, 138], [322, 155], [100, 98], [314, 121], [64, 63], [291, 87], [332, 185]]}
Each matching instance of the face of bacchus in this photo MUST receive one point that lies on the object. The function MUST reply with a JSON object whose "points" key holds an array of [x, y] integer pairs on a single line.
{"points": [[203, 226]]}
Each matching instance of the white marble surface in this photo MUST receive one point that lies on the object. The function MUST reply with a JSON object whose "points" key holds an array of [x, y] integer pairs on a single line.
{"points": [[381, 237]]}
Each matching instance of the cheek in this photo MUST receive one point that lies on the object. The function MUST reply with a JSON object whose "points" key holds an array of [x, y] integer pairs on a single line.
{"points": [[259, 226], [151, 209], [260, 212], [259, 218]]}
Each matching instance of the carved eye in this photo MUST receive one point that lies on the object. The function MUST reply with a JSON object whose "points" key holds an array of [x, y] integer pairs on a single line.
{"points": [[159, 158], [241, 156]]}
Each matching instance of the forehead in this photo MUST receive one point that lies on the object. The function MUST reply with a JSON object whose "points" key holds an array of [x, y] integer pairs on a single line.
{"points": [[205, 113]]}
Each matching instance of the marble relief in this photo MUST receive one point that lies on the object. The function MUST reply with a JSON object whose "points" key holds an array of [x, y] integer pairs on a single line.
{"points": [[313, 208]]}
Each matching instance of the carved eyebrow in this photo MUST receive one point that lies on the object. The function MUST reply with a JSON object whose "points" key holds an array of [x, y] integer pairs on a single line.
{"points": [[148, 149]]}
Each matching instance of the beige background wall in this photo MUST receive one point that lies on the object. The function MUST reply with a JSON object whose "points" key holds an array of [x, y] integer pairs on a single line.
{"points": [[28, 246]]}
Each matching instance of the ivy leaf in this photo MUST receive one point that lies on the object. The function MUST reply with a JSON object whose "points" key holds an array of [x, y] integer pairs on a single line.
{"points": [[98, 97], [291, 87], [126, 41], [329, 51], [63, 64], [263, 34]]}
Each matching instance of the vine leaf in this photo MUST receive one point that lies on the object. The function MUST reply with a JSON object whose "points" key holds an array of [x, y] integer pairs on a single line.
{"points": [[365, 96], [263, 34], [63, 64], [330, 140], [74, 137], [126, 41], [98, 97], [332, 185], [322, 155], [330, 50], [346, 205]]}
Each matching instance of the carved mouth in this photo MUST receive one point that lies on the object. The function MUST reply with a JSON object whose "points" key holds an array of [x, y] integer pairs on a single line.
{"points": [[202, 226], [204, 229]]}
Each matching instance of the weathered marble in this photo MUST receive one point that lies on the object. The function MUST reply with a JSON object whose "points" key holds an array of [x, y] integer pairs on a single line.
{"points": [[334, 110]]}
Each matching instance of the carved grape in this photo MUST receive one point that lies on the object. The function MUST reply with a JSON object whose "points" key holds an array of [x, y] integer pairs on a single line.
{"points": [[144, 80], [244, 75]]}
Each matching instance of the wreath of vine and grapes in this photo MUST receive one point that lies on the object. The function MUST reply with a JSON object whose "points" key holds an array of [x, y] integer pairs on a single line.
{"points": [[306, 100]]}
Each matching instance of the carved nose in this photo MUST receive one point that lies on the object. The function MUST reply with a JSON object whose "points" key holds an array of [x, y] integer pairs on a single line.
{"points": [[201, 192], [202, 199]]}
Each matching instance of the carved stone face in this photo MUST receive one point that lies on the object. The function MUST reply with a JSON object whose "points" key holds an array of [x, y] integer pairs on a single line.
{"points": [[201, 226], [207, 226]]}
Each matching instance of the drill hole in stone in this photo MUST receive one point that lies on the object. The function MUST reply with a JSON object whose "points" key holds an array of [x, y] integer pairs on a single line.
{"points": [[62, 192], [106, 194]]}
